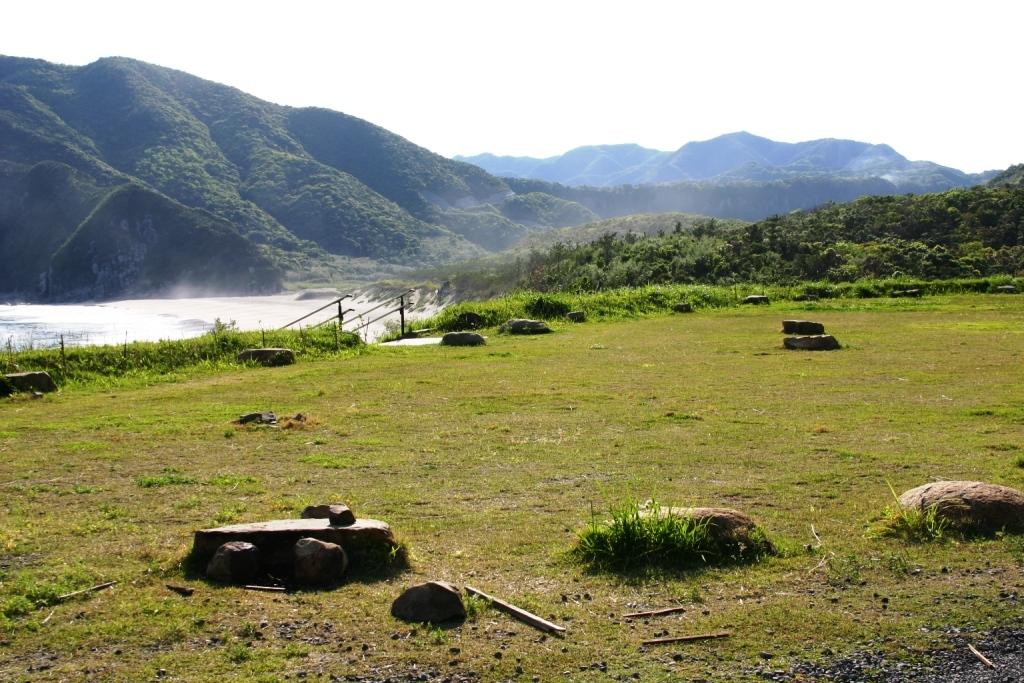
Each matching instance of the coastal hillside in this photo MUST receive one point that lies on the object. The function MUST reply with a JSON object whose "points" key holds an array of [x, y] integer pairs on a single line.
{"points": [[304, 184]]}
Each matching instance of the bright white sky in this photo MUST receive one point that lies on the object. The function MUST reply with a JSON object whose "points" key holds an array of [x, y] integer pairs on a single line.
{"points": [[936, 80]]}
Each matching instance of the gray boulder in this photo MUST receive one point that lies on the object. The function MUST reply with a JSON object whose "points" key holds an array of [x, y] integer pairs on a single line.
{"points": [[1006, 289], [904, 293], [339, 514], [815, 342], [269, 357], [972, 504], [577, 316], [234, 562], [802, 327], [756, 299], [319, 563], [31, 381], [463, 339], [433, 601], [524, 326]]}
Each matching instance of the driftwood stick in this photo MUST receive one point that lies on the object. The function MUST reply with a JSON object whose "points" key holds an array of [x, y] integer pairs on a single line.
{"points": [[266, 589], [48, 616], [981, 658], [185, 591], [684, 639], [654, 613], [518, 613], [90, 589]]}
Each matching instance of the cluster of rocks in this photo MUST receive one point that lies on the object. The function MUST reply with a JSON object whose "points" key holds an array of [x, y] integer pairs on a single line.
{"points": [[513, 326], [315, 550], [810, 336]]}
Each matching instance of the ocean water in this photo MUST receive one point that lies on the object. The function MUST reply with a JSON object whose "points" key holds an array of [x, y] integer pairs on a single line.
{"points": [[41, 326]]}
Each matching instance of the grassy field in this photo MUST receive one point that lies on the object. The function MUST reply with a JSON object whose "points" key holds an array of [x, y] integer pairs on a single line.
{"points": [[489, 461]]}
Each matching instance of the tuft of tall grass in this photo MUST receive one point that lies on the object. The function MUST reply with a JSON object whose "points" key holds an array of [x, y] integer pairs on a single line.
{"points": [[911, 524], [640, 537]]}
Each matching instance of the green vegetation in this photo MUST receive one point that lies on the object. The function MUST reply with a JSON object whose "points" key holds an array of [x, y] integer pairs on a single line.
{"points": [[640, 538], [488, 462], [965, 233], [911, 524], [142, 362]]}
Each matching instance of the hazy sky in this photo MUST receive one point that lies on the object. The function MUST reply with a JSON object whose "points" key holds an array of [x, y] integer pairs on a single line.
{"points": [[937, 80]]}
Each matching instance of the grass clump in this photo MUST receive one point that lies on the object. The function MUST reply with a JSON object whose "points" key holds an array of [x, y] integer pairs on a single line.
{"points": [[169, 476], [648, 536], [913, 525]]}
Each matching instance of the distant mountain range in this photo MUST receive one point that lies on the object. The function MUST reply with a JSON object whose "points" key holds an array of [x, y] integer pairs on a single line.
{"points": [[729, 158]]}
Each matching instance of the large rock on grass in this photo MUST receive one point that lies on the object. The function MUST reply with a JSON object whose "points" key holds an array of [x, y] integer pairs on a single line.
{"points": [[234, 562], [524, 326], [802, 327], [338, 514], [319, 563], [814, 342], [463, 339], [433, 601], [970, 504], [270, 357], [31, 381], [756, 299]]}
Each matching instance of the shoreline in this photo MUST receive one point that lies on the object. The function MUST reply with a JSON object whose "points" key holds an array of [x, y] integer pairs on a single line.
{"points": [[30, 325]]}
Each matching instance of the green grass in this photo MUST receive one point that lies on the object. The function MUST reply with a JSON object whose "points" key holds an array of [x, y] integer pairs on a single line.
{"points": [[636, 538], [488, 462], [631, 302]]}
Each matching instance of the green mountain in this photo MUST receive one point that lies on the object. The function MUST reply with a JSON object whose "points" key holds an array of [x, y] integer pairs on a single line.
{"points": [[139, 242], [306, 184]]}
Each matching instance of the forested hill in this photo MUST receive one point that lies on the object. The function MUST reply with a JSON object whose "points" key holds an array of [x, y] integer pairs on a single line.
{"points": [[302, 184], [959, 233]]}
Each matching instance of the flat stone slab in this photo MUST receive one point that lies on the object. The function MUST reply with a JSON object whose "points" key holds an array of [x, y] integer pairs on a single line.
{"points": [[802, 327], [814, 342], [367, 542], [31, 381]]}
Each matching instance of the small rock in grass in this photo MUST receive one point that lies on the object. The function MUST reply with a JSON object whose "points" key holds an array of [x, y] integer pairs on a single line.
{"points": [[524, 326], [319, 563], [577, 316], [463, 339], [683, 307], [338, 513], [234, 562], [270, 357], [756, 299], [433, 601]]}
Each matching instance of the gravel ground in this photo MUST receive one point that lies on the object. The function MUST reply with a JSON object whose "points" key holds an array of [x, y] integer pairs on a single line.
{"points": [[1003, 647]]}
